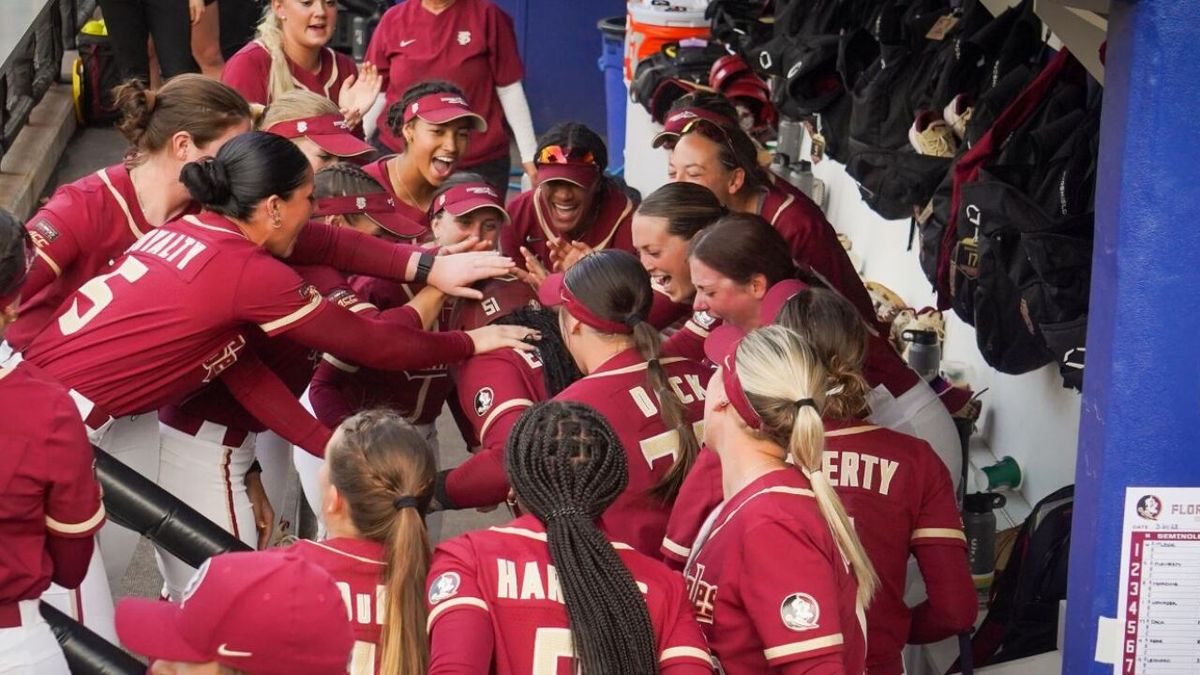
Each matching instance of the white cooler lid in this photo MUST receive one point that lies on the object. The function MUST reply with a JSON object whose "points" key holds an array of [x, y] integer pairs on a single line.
{"points": [[683, 13]]}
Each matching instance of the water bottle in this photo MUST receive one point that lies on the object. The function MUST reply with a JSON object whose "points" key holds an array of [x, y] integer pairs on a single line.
{"points": [[791, 138], [924, 352], [979, 525], [359, 37]]}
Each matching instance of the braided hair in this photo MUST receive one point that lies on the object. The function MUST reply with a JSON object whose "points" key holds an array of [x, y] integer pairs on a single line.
{"points": [[558, 368], [567, 465]]}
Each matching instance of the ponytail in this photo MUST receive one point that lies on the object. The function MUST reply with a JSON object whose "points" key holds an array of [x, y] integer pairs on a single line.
{"points": [[784, 383], [567, 466], [674, 413], [835, 331], [270, 36], [385, 471], [200, 106], [615, 286]]}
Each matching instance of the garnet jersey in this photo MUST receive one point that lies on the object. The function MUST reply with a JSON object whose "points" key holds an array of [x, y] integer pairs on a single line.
{"points": [[618, 390], [290, 360], [419, 395], [249, 72], [769, 584], [78, 233], [170, 317], [531, 227], [506, 572], [698, 496], [901, 499], [357, 567], [471, 43], [379, 170], [494, 390], [812, 241], [47, 485]]}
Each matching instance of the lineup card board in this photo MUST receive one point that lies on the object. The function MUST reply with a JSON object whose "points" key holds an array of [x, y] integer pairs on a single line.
{"points": [[1159, 604]]}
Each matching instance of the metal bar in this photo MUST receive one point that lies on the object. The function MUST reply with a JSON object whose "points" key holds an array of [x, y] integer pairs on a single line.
{"points": [[32, 66]]}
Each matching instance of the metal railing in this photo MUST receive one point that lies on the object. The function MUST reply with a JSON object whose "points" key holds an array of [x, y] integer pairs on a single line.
{"points": [[33, 63]]}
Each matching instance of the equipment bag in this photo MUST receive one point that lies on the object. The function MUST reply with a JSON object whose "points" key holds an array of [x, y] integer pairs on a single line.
{"points": [[1022, 618], [682, 68], [94, 75]]}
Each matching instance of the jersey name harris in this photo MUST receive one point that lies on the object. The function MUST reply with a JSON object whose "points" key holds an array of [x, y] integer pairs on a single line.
{"points": [[531, 580]]}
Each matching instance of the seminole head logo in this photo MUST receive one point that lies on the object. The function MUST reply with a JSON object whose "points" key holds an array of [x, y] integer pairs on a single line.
{"points": [[1149, 507]]}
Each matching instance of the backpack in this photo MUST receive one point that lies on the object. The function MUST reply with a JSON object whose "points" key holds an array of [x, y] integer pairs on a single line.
{"points": [[1022, 618], [94, 75]]}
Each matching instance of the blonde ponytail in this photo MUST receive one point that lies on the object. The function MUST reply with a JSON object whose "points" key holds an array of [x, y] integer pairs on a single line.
{"points": [[781, 375], [270, 35]]}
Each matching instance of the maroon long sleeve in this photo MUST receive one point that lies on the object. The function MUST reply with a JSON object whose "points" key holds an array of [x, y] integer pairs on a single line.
{"points": [[325, 392], [351, 251], [461, 644], [71, 557], [952, 605], [388, 342], [267, 398]]}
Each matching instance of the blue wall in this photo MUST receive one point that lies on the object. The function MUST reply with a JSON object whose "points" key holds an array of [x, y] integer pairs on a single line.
{"points": [[560, 45], [1141, 399]]}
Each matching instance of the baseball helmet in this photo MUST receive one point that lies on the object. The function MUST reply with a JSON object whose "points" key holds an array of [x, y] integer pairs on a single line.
{"points": [[501, 296]]}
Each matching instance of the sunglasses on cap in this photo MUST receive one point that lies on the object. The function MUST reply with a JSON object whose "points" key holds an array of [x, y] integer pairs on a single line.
{"points": [[557, 154]]}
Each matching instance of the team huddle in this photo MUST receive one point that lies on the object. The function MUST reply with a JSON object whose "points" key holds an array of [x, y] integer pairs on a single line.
{"points": [[714, 458]]}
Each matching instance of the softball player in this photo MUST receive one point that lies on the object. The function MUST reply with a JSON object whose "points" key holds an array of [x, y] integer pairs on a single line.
{"points": [[49, 499], [778, 578], [316, 126], [551, 586]]}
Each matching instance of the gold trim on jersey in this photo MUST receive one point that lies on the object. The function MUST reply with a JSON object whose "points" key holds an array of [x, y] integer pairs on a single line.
{"points": [[339, 364], [803, 646], [635, 367], [938, 533], [103, 174], [850, 431], [695, 328], [782, 207], [677, 549], [438, 610], [313, 303], [76, 528], [333, 75], [201, 224], [685, 653], [781, 489], [503, 407], [49, 261], [541, 536], [348, 555]]}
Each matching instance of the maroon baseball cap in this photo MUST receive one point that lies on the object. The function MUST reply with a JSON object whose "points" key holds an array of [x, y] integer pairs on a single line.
{"points": [[554, 292], [501, 296], [378, 206], [678, 119], [264, 613], [330, 132], [442, 108], [776, 297], [467, 197], [720, 347]]}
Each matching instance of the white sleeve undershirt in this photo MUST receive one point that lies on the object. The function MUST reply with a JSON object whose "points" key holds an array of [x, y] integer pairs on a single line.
{"points": [[516, 111]]}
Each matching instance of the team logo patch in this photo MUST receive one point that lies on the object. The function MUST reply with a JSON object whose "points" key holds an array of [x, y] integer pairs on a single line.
{"points": [[464, 37], [484, 398], [800, 612], [42, 233], [360, 202], [1149, 507], [344, 298], [302, 126], [308, 292], [445, 586]]}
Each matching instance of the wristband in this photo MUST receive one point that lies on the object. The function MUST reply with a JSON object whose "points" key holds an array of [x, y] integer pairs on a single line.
{"points": [[439, 492], [424, 267]]}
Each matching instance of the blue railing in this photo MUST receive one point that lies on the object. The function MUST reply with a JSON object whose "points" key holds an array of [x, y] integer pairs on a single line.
{"points": [[32, 39]]}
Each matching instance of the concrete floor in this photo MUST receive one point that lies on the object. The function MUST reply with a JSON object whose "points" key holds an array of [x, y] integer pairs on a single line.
{"points": [[92, 149]]}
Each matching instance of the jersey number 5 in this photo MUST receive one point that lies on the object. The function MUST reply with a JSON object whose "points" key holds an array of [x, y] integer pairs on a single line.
{"points": [[100, 295], [549, 646]]}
